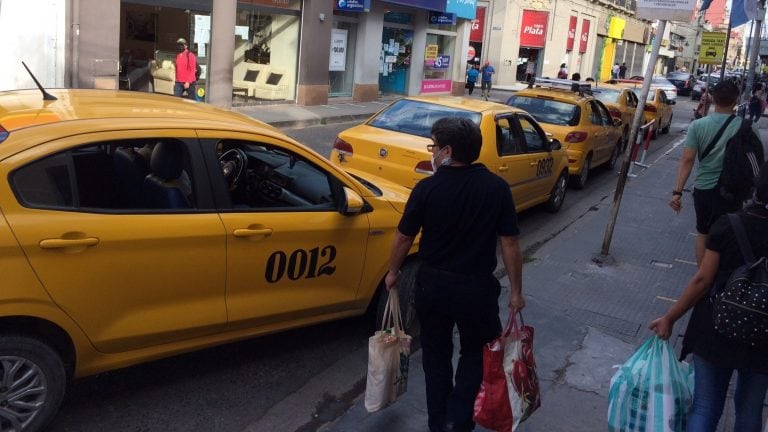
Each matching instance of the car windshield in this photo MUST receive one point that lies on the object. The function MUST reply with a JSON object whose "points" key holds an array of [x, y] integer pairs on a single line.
{"points": [[547, 110], [606, 95], [416, 117]]}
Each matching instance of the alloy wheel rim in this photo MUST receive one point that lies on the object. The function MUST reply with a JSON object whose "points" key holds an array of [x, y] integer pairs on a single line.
{"points": [[584, 172], [23, 390], [560, 192]]}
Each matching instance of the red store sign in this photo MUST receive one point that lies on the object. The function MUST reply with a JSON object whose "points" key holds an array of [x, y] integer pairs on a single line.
{"points": [[533, 31], [478, 25], [584, 36], [571, 34]]}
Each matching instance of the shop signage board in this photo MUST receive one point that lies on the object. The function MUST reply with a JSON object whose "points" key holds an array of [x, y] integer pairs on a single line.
{"points": [[712, 48], [338, 58], [462, 8], [441, 18], [442, 62], [584, 38], [571, 34], [430, 54], [670, 10], [478, 26], [435, 86], [353, 5], [533, 31], [435, 5]]}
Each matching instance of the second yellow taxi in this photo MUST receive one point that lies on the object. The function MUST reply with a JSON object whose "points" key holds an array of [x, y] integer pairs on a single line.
{"points": [[393, 144]]}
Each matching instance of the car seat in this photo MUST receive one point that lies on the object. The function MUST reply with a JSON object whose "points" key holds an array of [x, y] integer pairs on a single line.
{"points": [[163, 186]]}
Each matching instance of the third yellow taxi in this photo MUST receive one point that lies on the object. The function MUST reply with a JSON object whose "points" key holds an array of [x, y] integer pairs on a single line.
{"points": [[568, 111], [621, 103], [393, 145], [658, 106]]}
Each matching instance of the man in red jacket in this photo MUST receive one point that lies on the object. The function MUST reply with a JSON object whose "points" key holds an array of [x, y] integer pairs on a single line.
{"points": [[186, 65]]}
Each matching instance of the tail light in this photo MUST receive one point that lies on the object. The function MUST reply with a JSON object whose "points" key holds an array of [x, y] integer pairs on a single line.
{"points": [[650, 108], [616, 113], [343, 147], [424, 167], [3, 134], [576, 137]]}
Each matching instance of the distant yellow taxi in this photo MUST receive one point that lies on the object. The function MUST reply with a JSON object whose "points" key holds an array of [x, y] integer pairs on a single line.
{"points": [[658, 106], [393, 144], [621, 103], [580, 121], [136, 226]]}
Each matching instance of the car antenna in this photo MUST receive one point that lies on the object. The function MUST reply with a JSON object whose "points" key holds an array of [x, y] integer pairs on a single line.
{"points": [[46, 95]]}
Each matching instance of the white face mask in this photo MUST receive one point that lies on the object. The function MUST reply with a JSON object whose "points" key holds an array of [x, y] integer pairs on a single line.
{"points": [[445, 162]]}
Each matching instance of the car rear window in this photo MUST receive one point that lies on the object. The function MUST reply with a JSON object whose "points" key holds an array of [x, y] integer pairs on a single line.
{"points": [[547, 110], [607, 95], [678, 76], [416, 117]]}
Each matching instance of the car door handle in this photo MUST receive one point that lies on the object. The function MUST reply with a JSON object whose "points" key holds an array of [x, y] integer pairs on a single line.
{"points": [[534, 163], [60, 243], [247, 232], [503, 168]]}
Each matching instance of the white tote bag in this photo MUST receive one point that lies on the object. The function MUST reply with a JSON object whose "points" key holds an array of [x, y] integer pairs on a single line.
{"points": [[388, 353]]}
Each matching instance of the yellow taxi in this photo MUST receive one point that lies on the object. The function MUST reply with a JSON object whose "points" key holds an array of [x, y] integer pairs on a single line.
{"points": [[393, 144], [658, 106], [135, 226], [621, 103], [579, 120]]}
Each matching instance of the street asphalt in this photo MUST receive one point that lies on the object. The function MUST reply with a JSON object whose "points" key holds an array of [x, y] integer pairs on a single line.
{"points": [[588, 318]]}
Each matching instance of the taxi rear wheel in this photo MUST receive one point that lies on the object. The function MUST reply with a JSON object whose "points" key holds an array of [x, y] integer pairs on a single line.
{"points": [[32, 383], [557, 195], [581, 180], [665, 130], [406, 290]]}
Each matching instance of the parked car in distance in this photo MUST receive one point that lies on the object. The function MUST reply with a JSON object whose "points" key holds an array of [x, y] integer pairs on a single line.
{"points": [[684, 82], [701, 84]]}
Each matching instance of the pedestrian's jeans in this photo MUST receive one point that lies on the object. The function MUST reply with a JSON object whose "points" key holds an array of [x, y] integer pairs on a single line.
{"points": [[178, 90], [709, 394], [471, 303]]}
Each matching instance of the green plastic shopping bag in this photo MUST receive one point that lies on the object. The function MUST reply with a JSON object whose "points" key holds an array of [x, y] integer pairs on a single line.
{"points": [[651, 392]]}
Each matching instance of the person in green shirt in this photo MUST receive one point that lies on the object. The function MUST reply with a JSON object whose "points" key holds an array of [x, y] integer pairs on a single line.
{"points": [[707, 202]]}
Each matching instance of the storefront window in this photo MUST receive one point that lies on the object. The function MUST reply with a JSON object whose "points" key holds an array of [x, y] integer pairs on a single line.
{"points": [[437, 63], [266, 54]]}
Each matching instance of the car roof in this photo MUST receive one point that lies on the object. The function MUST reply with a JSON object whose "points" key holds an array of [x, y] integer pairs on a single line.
{"points": [[465, 103], [555, 93], [20, 109]]}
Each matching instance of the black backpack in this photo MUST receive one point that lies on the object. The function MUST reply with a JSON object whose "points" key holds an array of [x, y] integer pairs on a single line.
{"points": [[741, 162], [740, 306]]}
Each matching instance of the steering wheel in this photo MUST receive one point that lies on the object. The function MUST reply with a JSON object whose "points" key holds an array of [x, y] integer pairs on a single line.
{"points": [[233, 164]]}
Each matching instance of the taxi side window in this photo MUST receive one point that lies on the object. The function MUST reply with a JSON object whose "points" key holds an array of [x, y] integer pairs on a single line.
{"points": [[663, 97], [534, 141], [265, 177], [108, 177], [594, 114], [507, 141], [604, 114]]}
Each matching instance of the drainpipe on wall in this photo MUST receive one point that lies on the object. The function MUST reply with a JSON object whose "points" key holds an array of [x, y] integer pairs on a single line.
{"points": [[75, 66]]}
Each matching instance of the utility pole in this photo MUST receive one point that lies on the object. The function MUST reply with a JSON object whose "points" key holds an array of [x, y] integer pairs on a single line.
{"points": [[754, 54]]}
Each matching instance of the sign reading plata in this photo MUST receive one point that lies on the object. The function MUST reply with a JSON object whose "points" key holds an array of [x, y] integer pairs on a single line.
{"points": [[712, 47], [672, 10]]}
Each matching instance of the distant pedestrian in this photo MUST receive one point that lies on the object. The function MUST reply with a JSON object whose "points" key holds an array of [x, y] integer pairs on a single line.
{"points": [[576, 76], [756, 102], [186, 65], [563, 72], [472, 74], [715, 357], [615, 71], [707, 201], [461, 211], [530, 69], [487, 72], [623, 71]]}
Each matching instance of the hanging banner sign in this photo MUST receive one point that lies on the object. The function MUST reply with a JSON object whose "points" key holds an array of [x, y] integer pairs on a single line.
{"points": [[353, 5], [338, 59], [462, 8], [584, 36], [533, 31], [712, 48], [672, 10], [571, 34], [478, 26]]}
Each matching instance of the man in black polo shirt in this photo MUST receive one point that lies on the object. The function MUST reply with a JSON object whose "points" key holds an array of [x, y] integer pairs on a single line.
{"points": [[461, 211]]}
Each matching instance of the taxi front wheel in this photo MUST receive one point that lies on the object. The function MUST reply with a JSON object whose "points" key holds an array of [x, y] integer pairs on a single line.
{"points": [[557, 195], [32, 383]]}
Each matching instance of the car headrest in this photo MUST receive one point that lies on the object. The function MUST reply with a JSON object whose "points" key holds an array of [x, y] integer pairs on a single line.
{"points": [[167, 160]]}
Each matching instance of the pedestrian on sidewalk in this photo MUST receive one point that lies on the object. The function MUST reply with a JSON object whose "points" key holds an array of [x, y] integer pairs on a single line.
{"points": [[707, 201], [615, 71], [623, 71], [186, 65], [461, 212], [715, 356], [756, 102], [472, 74], [563, 72], [487, 72]]}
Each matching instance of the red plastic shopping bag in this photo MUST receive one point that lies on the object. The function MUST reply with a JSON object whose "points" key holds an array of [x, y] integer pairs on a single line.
{"points": [[509, 392]]}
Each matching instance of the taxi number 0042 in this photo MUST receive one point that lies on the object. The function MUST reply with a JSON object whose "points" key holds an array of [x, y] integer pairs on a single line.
{"points": [[544, 167], [300, 263]]}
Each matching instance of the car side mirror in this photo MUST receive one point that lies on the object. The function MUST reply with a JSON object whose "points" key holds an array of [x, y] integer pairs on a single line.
{"points": [[554, 144], [353, 203], [616, 121]]}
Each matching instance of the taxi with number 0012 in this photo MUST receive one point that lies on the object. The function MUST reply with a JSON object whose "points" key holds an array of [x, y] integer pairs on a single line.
{"points": [[136, 226], [568, 111], [393, 144]]}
